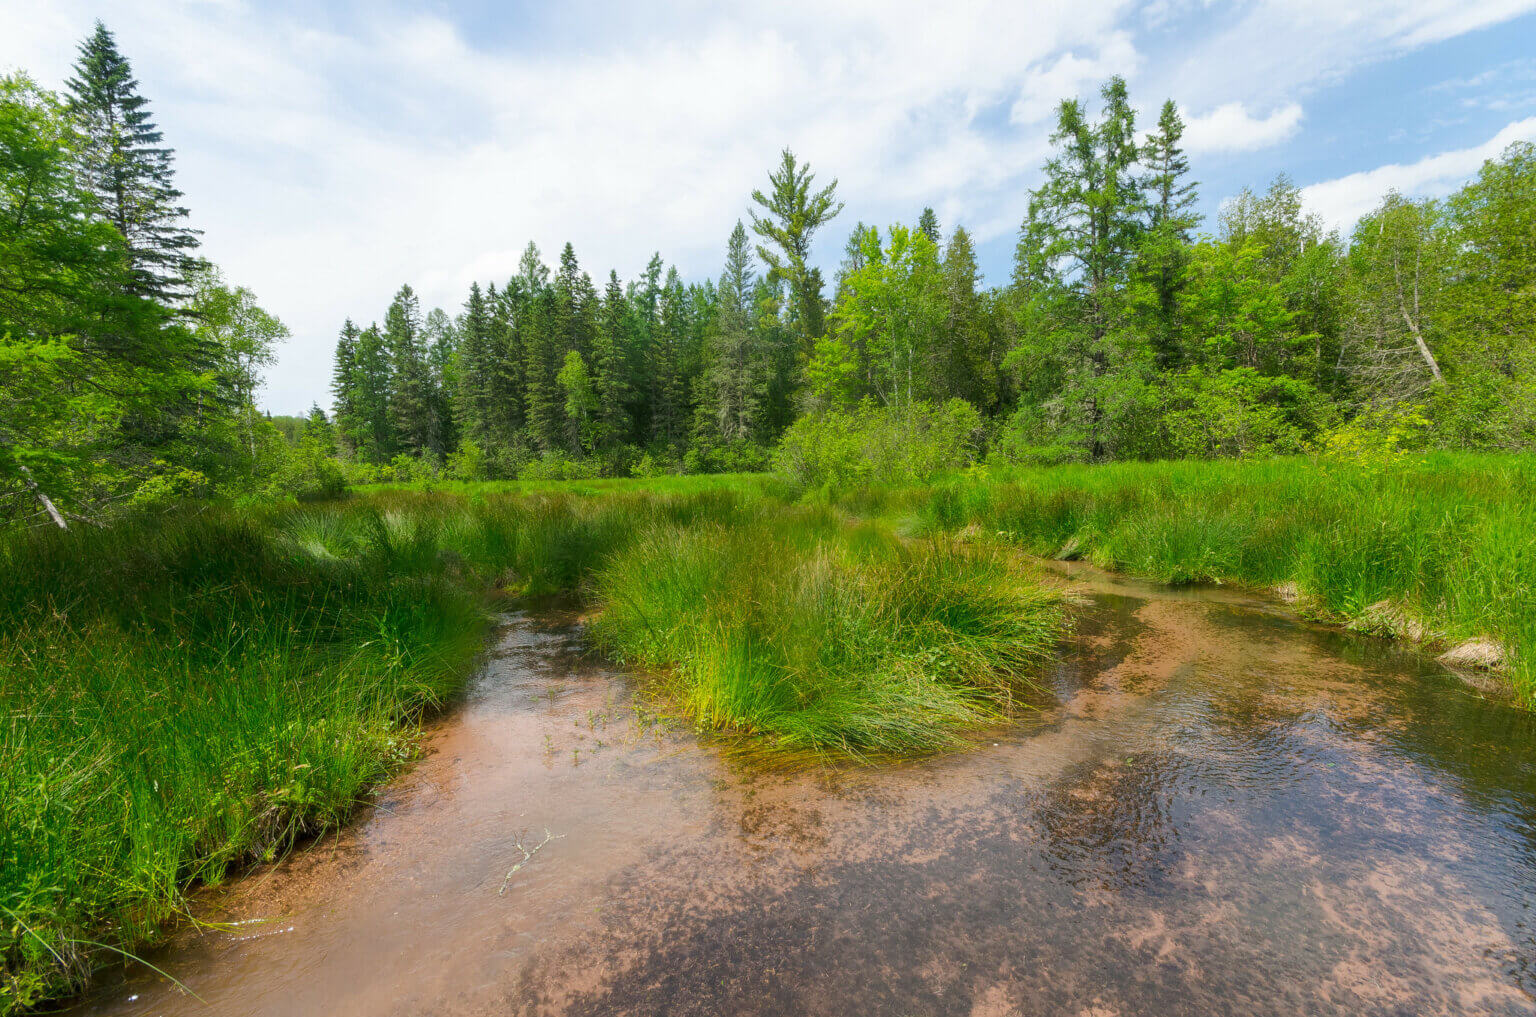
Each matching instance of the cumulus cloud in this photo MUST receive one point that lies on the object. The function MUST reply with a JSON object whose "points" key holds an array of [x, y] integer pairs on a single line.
{"points": [[1342, 201], [1231, 128]]}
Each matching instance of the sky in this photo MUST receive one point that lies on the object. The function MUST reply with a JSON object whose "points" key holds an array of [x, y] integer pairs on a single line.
{"points": [[332, 151]]}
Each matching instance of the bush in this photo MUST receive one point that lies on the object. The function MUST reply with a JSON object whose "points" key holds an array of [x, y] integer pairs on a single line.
{"points": [[557, 466], [728, 457], [468, 462], [1238, 413], [870, 444]]}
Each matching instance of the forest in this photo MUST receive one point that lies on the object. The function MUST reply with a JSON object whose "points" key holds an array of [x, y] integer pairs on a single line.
{"points": [[1130, 330], [823, 521]]}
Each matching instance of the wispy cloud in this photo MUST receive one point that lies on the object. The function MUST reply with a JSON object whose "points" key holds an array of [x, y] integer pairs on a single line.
{"points": [[1343, 201]]}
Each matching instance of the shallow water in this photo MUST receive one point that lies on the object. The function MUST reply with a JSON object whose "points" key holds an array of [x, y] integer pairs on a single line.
{"points": [[1218, 809]]}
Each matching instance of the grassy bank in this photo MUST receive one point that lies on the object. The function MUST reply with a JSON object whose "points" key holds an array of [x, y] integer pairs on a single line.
{"points": [[1441, 548], [184, 696]]}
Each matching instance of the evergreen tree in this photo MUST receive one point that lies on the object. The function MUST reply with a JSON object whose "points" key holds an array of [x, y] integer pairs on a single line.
{"points": [[344, 385], [442, 382], [538, 329], [477, 369], [668, 392], [1164, 250], [410, 389], [967, 365], [375, 437], [793, 215], [1076, 247], [507, 412], [735, 380], [129, 169], [612, 379], [928, 225]]}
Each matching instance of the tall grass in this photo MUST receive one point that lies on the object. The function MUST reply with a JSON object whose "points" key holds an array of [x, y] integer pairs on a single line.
{"points": [[184, 696], [818, 636], [1446, 542]]}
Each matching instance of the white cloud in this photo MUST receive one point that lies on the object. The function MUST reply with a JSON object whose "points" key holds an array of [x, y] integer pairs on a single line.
{"points": [[1342, 201], [331, 158], [1231, 128], [1070, 75]]}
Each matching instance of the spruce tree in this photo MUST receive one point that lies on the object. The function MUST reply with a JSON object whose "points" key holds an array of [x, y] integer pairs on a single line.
{"points": [[965, 367], [1163, 259], [735, 379], [476, 369], [375, 440], [537, 328], [612, 378], [928, 225], [409, 390], [128, 168], [442, 382], [668, 392], [1077, 246], [506, 414], [344, 384]]}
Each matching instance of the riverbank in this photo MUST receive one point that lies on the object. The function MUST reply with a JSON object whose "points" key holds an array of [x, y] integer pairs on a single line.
{"points": [[184, 696], [1438, 550]]}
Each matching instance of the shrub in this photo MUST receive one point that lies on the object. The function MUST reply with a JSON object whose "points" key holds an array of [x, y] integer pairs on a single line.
{"points": [[870, 444]]}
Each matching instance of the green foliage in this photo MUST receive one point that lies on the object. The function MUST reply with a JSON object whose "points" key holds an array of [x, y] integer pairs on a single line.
{"points": [[870, 445], [1443, 538], [793, 214], [1239, 412], [789, 627]]}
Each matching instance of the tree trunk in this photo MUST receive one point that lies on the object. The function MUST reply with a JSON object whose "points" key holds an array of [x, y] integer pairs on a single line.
{"points": [[42, 497]]}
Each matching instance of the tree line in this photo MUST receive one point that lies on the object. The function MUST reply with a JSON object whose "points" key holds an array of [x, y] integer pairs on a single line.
{"points": [[1124, 332], [1128, 329]]}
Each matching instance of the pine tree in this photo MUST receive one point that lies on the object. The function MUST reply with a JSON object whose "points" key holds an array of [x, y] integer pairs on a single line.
{"points": [[793, 215], [476, 369], [928, 225], [127, 166], [409, 390], [612, 378]]}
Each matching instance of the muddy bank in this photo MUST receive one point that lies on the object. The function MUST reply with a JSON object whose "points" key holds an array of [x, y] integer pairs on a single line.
{"points": [[1216, 809]]}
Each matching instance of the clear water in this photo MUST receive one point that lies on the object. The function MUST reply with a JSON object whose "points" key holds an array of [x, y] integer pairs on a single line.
{"points": [[1217, 809]]}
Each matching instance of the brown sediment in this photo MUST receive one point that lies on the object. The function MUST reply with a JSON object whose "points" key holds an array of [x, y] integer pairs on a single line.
{"points": [[1218, 809]]}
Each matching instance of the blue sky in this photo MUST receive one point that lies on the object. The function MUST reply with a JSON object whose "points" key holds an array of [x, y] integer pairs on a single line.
{"points": [[332, 151]]}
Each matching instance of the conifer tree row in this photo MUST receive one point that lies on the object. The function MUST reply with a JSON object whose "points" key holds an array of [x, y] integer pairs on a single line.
{"points": [[1123, 332]]}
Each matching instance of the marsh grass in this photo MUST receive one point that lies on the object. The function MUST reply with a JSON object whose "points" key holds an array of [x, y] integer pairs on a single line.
{"points": [[1449, 541], [816, 636], [184, 696]]}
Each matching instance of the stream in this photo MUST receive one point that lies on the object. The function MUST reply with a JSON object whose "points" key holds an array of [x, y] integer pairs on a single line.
{"points": [[1216, 809]]}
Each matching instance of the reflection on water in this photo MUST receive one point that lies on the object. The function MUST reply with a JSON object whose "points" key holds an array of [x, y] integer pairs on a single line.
{"points": [[1216, 810]]}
